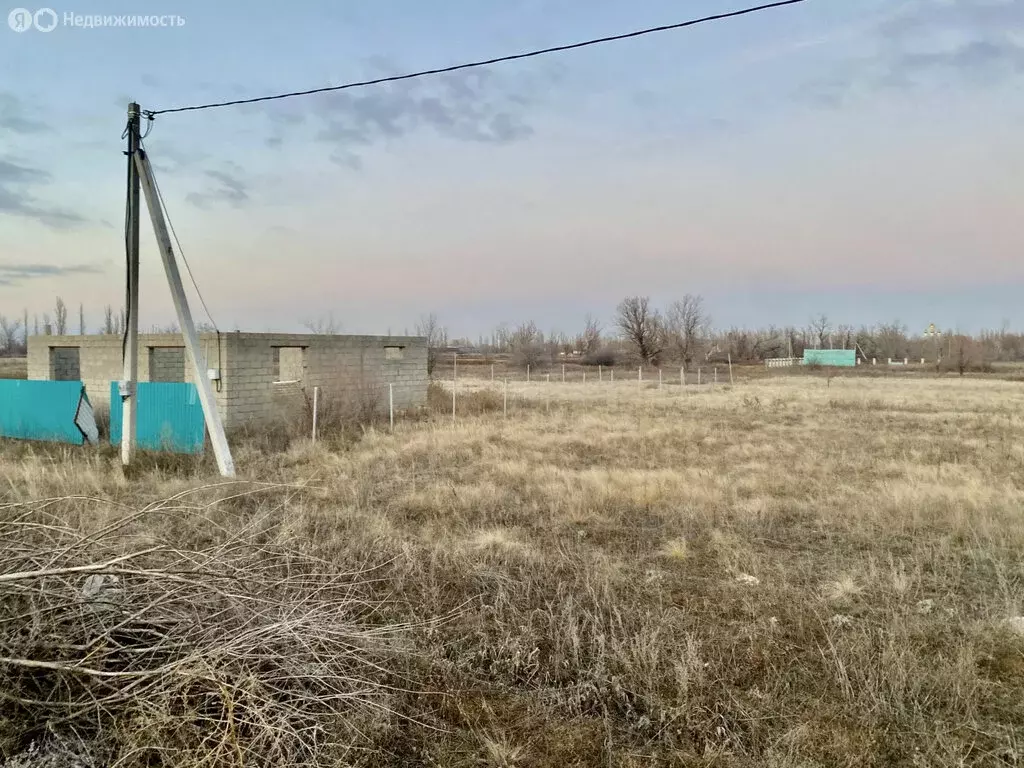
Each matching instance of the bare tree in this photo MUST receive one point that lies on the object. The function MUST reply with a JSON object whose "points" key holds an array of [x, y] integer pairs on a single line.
{"points": [[642, 327], [768, 343], [687, 325], [24, 324], [588, 342], [845, 336], [60, 317], [323, 325], [967, 354], [567, 345], [867, 343], [502, 338], [81, 320], [436, 335], [557, 345], [891, 340], [35, 325], [821, 328], [114, 323], [47, 325], [9, 335], [527, 343]]}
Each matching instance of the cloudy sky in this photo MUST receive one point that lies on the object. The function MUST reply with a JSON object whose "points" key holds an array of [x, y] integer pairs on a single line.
{"points": [[856, 157]]}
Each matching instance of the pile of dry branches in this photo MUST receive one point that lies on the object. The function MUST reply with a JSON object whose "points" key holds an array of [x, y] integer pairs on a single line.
{"points": [[236, 652]]}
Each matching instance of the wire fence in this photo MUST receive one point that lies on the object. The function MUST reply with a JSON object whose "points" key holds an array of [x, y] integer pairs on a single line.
{"points": [[487, 389], [568, 373], [461, 391]]}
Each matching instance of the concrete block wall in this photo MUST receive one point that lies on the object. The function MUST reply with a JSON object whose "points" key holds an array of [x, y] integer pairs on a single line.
{"points": [[344, 367], [100, 362], [167, 363], [64, 364]]}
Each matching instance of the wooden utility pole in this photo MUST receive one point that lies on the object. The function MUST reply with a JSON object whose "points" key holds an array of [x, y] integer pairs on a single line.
{"points": [[221, 450], [130, 353]]}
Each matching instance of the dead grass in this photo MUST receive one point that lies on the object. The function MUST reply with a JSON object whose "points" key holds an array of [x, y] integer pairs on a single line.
{"points": [[13, 367], [788, 572]]}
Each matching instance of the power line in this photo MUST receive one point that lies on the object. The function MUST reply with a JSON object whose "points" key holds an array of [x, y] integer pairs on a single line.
{"points": [[483, 63]]}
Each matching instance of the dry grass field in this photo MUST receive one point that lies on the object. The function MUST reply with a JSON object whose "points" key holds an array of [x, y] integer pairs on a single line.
{"points": [[791, 572]]}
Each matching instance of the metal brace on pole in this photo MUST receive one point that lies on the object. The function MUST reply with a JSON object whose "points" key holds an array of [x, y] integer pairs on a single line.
{"points": [[221, 451]]}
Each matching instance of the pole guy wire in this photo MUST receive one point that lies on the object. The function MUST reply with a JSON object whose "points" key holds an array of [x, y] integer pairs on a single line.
{"points": [[152, 113]]}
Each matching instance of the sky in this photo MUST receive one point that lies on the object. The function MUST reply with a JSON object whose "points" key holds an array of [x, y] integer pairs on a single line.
{"points": [[859, 158]]}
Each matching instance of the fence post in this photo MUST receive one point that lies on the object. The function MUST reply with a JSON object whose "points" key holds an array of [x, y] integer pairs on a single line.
{"points": [[600, 373], [563, 373], [716, 374], [492, 371], [731, 381], [316, 405], [584, 375], [505, 403], [659, 379], [698, 377], [682, 376], [455, 382], [391, 405], [613, 375], [527, 373]]}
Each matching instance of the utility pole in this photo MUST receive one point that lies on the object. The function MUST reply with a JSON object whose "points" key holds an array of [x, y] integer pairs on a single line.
{"points": [[221, 450], [130, 355]]}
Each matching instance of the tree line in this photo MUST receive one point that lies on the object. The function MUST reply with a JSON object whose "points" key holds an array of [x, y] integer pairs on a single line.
{"points": [[15, 330], [682, 333], [642, 333]]}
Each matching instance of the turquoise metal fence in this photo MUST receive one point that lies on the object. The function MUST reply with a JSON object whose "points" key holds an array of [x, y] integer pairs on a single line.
{"points": [[170, 417], [54, 411], [839, 358]]}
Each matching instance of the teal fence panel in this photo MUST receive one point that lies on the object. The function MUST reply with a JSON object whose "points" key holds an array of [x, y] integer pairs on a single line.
{"points": [[839, 358], [170, 417], [42, 410]]}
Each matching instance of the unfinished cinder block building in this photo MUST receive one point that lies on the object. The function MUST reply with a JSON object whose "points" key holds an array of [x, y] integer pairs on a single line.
{"points": [[260, 377]]}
